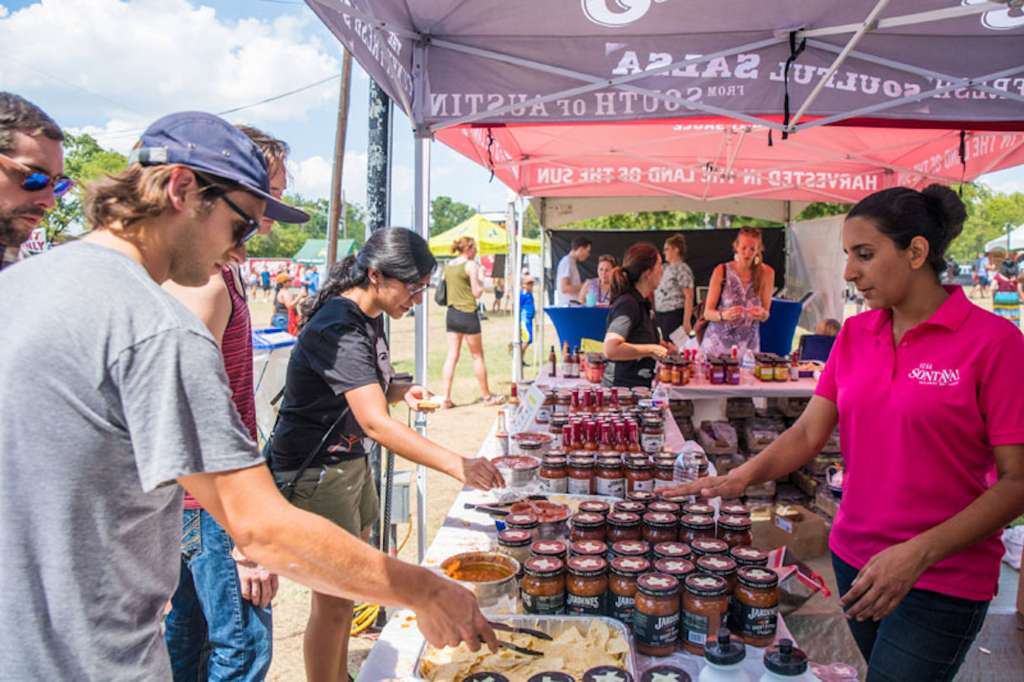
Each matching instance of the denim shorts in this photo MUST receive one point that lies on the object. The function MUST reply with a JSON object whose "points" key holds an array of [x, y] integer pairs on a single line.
{"points": [[925, 639]]}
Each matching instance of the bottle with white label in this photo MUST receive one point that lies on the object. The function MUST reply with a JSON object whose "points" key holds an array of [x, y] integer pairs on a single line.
{"points": [[724, 659]]}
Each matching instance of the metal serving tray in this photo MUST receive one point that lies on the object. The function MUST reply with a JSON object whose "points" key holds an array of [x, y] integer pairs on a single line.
{"points": [[554, 626]]}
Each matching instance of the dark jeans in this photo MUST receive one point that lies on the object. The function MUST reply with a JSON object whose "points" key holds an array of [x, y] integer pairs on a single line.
{"points": [[925, 638], [669, 321], [212, 633]]}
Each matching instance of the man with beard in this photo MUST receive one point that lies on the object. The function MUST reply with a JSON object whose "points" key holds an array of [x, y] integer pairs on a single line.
{"points": [[31, 171]]}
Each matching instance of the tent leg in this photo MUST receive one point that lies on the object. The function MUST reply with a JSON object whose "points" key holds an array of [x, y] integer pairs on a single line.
{"points": [[543, 298], [421, 218], [517, 274]]}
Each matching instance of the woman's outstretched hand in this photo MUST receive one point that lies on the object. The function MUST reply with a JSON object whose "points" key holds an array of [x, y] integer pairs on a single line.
{"points": [[481, 474]]}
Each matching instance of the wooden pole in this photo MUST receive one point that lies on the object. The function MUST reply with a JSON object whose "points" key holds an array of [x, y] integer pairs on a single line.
{"points": [[337, 205]]}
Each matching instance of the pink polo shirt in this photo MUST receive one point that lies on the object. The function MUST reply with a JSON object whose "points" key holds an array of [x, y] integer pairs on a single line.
{"points": [[917, 425]]}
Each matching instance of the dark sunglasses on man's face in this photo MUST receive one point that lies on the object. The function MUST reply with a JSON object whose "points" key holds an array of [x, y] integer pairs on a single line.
{"points": [[248, 230], [35, 181]]}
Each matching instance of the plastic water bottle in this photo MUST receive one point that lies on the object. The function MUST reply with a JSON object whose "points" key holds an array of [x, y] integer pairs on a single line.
{"points": [[591, 297], [687, 467], [747, 367]]}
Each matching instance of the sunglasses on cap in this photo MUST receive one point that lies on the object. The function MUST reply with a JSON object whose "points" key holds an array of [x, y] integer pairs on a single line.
{"points": [[36, 181], [250, 226]]}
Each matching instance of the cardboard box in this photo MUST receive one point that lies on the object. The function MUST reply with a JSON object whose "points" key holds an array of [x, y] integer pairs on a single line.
{"points": [[806, 538]]}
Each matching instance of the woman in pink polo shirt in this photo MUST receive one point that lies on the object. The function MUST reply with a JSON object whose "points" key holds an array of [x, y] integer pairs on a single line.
{"points": [[925, 388]]}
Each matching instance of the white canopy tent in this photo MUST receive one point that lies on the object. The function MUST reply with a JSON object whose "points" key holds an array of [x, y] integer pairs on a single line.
{"points": [[1015, 241]]}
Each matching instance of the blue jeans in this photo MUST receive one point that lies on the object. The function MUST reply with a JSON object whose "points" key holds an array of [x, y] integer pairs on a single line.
{"points": [[211, 632], [925, 638]]}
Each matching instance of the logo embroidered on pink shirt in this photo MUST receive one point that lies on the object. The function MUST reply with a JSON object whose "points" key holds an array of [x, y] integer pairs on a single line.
{"points": [[926, 375]]}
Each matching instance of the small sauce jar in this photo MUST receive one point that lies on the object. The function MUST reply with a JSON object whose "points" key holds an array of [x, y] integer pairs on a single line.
{"points": [[594, 507], [639, 476], [630, 506], [780, 370], [586, 586], [732, 372], [581, 476], [723, 567], [586, 526], [665, 371], [563, 399], [656, 614], [610, 479], [677, 568], [671, 550], [543, 586], [644, 497], [699, 508], [735, 530], [663, 507], [652, 434], [660, 527], [678, 373], [554, 549], [516, 544], [748, 556], [717, 371], [631, 548], [664, 469], [554, 476], [734, 509], [705, 607], [695, 526], [546, 408], [588, 548], [622, 586], [623, 527], [557, 426], [709, 546], [755, 606], [522, 521]]}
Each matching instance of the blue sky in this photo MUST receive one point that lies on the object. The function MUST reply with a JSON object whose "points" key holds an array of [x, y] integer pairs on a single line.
{"points": [[109, 67]]}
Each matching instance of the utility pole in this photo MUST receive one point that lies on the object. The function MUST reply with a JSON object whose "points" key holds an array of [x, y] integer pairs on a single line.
{"points": [[337, 203]]}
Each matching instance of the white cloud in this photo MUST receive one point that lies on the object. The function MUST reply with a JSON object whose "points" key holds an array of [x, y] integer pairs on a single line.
{"points": [[1007, 181], [129, 62], [311, 177]]}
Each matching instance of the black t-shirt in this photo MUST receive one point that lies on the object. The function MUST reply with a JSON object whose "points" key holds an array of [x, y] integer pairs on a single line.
{"points": [[631, 316], [339, 350]]}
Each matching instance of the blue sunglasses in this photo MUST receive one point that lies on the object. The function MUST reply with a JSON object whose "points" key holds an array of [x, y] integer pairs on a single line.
{"points": [[36, 181]]}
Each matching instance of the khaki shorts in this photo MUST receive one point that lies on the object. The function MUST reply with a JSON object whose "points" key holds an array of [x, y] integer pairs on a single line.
{"points": [[343, 493]]}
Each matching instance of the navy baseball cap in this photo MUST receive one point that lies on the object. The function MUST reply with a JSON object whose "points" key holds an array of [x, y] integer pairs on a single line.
{"points": [[210, 144]]}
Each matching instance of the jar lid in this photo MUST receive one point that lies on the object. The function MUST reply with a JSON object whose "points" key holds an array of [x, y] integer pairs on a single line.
{"points": [[631, 506], [716, 564], [589, 548], [660, 519], [630, 566], [623, 519], [530, 445], [594, 506], [630, 548], [543, 566], [665, 673], [676, 567], [485, 677], [699, 508], [653, 420], [548, 548], [639, 463], [697, 522], [551, 677], [704, 546], [515, 537], [747, 555], [524, 437], [755, 576], [580, 463], [587, 566], [665, 463], [643, 496], [663, 507], [587, 520], [738, 523], [607, 673], [657, 584], [724, 651], [704, 585], [672, 550], [521, 519], [785, 659], [735, 509]]}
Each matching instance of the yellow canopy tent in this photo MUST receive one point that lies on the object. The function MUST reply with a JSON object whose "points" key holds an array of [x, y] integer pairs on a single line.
{"points": [[490, 238]]}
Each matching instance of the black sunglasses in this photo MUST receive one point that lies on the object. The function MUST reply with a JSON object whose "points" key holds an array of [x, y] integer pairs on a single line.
{"points": [[35, 181], [243, 233]]}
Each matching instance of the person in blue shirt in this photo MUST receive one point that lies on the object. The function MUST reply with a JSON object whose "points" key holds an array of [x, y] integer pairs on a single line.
{"points": [[314, 280], [527, 311]]}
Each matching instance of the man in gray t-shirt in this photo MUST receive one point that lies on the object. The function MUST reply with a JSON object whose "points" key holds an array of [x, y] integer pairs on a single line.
{"points": [[114, 393]]}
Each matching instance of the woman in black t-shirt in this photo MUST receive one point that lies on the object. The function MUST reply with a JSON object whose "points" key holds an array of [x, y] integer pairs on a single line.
{"points": [[341, 364], [632, 342]]}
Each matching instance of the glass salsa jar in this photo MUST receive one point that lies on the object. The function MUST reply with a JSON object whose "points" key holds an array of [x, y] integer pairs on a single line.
{"points": [[543, 586], [609, 478], [705, 608], [755, 606], [554, 476], [677, 568], [588, 548], [557, 426], [732, 372], [595, 507], [664, 469], [631, 548], [630, 506], [644, 497], [780, 369], [652, 434], [623, 526], [563, 399], [718, 371], [656, 614], [622, 586], [586, 526], [522, 521], [695, 526], [581, 476], [586, 586], [546, 408], [671, 550], [663, 507], [516, 544], [660, 527], [665, 371], [639, 476], [735, 530], [709, 546], [549, 548], [699, 508], [718, 565], [748, 556], [734, 509]]}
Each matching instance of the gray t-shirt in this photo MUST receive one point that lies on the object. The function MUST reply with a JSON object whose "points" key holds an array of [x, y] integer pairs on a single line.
{"points": [[112, 390]]}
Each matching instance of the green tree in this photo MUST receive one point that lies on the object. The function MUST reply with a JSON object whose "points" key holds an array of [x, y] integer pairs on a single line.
{"points": [[643, 220], [446, 213], [988, 214], [821, 209], [84, 160], [285, 240]]}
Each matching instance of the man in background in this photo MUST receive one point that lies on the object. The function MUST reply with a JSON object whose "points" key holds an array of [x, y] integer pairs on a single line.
{"points": [[568, 281]]}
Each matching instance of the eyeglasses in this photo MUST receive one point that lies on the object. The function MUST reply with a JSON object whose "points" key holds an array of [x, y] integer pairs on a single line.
{"points": [[35, 181], [251, 227], [415, 290]]}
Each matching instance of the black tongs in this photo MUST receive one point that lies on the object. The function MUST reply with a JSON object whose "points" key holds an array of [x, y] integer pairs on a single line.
{"points": [[501, 508]]}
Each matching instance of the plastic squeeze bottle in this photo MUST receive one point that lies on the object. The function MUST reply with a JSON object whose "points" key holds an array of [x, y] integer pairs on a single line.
{"points": [[786, 663], [724, 659]]}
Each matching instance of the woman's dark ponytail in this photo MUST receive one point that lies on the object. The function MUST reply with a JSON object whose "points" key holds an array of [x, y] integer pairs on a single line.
{"points": [[342, 275], [639, 258]]}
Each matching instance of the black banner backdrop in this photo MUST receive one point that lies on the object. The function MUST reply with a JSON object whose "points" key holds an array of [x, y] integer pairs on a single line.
{"points": [[704, 250]]}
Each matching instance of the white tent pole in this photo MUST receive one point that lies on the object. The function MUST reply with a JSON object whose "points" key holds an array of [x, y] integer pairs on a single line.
{"points": [[869, 23], [517, 274], [421, 218], [908, 19], [544, 246]]}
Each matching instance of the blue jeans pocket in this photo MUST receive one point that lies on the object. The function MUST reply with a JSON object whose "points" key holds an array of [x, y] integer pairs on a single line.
{"points": [[191, 534]]}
